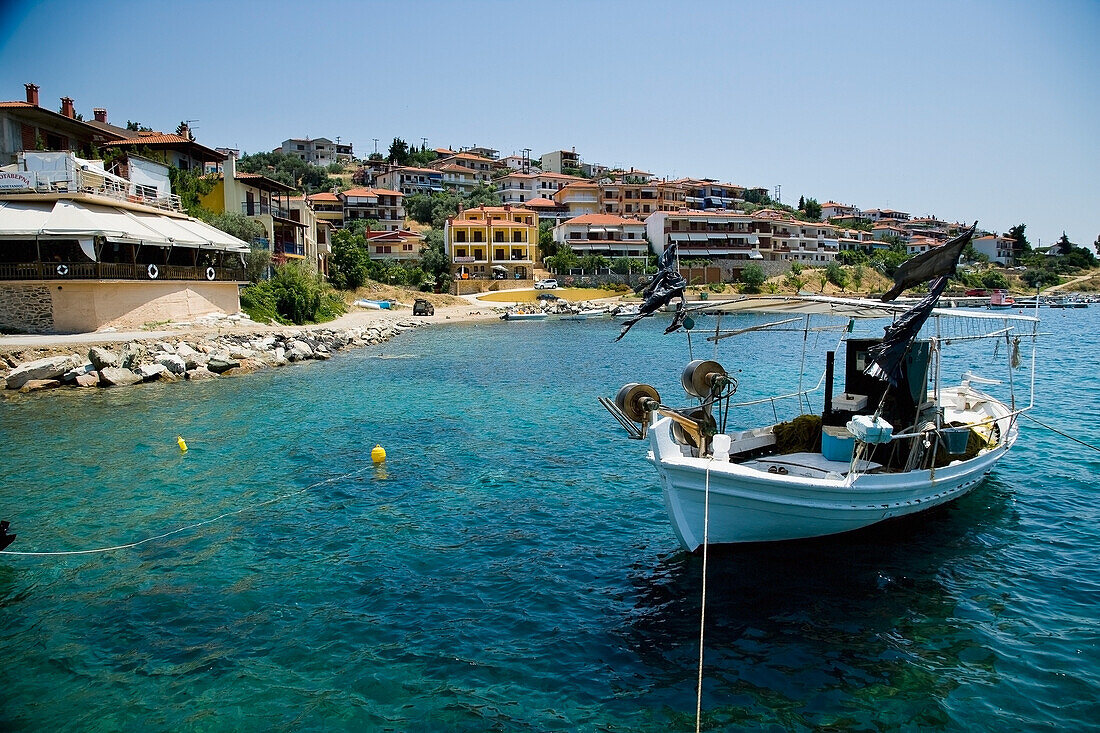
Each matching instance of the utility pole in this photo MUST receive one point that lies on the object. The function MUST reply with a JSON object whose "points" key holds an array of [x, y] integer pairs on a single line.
{"points": [[375, 145], [527, 160], [423, 143], [778, 193]]}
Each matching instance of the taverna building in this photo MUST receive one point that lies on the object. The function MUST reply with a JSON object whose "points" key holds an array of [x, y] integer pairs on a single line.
{"points": [[82, 248]]}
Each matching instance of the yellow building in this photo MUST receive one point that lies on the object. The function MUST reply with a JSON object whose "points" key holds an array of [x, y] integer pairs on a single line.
{"points": [[265, 200], [493, 243]]}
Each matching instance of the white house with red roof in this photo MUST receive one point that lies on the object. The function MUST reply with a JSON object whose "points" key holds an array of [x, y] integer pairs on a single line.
{"points": [[604, 234], [380, 204]]}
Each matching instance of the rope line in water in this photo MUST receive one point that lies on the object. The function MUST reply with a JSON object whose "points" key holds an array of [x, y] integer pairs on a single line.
{"points": [[194, 525], [1056, 430], [703, 600]]}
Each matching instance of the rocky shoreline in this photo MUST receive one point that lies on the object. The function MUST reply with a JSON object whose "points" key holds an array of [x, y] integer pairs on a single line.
{"points": [[191, 357]]}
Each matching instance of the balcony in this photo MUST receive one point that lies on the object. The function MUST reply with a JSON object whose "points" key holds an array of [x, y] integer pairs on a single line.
{"points": [[263, 208], [72, 180]]}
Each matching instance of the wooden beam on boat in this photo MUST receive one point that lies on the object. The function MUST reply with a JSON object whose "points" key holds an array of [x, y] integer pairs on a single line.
{"points": [[761, 327]]}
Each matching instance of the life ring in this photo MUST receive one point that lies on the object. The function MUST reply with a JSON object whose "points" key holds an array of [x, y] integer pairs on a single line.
{"points": [[62, 270], [153, 272], [210, 274]]}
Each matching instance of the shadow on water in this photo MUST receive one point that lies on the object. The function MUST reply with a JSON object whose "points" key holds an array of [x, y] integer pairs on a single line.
{"points": [[843, 631]]}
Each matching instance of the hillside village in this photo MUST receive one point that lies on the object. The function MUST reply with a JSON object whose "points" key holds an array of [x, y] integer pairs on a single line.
{"points": [[127, 221]]}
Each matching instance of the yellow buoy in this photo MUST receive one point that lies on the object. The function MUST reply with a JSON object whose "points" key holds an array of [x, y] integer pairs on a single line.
{"points": [[182, 443], [378, 454]]}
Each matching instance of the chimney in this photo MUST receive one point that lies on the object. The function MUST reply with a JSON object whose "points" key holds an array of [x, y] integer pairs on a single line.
{"points": [[185, 130], [67, 107], [32, 94], [229, 168], [100, 115]]}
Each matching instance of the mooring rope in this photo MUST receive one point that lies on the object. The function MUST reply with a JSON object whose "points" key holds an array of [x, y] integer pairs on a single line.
{"points": [[194, 525], [1056, 430], [703, 600]]}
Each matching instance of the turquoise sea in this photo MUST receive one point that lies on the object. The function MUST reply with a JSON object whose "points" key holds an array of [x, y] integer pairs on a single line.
{"points": [[511, 566]]}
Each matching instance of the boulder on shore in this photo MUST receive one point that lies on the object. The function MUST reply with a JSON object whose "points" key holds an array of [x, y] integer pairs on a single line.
{"points": [[102, 358], [172, 363], [52, 367], [149, 372], [221, 363], [117, 377], [200, 374], [34, 385], [87, 379]]}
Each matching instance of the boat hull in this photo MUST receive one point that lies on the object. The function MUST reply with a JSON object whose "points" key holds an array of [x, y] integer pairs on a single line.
{"points": [[751, 505]]}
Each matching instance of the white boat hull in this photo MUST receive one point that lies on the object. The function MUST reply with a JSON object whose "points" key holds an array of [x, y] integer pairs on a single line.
{"points": [[749, 504]]}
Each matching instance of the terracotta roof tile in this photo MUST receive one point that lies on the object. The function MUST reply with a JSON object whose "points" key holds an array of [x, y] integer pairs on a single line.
{"points": [[365, 192], [604, 220]]}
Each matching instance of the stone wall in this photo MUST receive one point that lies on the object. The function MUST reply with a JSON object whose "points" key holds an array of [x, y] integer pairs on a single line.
{"points": [[26, 307]]}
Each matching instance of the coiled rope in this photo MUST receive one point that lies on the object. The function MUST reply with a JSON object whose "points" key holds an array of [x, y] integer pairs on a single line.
{"points": [[194, 525], [703, 600]]}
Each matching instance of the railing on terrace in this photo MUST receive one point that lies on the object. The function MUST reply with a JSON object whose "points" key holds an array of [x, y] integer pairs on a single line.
{"points": [[96, 184], [262, 208], [114, 271], [290, 248]]}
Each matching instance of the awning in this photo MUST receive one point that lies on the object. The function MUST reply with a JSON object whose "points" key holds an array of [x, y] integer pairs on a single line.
{"points": [[66, 219]]}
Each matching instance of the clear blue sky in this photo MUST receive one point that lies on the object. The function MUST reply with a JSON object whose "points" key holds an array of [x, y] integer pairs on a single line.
{"points": [[966, 110]]}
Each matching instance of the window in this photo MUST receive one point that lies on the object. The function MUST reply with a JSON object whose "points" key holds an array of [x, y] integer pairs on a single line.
{"points": [[460, 252], [460, 236], [478, 237], [301, 147], [498, 254]]}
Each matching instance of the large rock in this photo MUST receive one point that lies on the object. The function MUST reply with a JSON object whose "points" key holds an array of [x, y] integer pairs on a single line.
{"points": [[172, 363], [222, 363], [298, 351], [52, 367], [34, 385], [200, 374], [100, 358], [88, 379], [117, 377], [149, 372], [72, 374], [134, 354], [184, 350]]}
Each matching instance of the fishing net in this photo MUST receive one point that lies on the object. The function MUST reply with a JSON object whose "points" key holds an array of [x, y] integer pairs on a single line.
{"points": [[801, 435]]}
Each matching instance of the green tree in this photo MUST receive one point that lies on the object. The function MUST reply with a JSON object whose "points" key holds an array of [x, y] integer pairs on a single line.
{"points": [[801, 203], [812, 209], [1040, 278], [835, 274], [592, 262], [183, 130], [288, 169], [1020, 245], [994, 280], [857, 276], [547, 246], [190, 186], [350, 262], [752, 276], [1064, 246], [564, 260], [434, 260], [399, 152]]}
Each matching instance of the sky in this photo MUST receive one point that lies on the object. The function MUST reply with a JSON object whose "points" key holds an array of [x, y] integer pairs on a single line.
{"points": [[963, 110]]}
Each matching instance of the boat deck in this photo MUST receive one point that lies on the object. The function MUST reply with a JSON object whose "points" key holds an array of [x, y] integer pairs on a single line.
{"points": [[807, 465]]}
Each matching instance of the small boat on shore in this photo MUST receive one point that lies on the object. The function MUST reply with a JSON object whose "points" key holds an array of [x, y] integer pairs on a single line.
{"points": [[585, 314]]}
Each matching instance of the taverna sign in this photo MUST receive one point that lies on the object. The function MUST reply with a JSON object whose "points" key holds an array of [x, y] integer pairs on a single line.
{"points": [[14, 179]]}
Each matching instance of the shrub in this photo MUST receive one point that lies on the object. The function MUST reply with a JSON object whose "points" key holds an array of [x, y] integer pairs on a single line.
{"points": [[294, 295], [753, 277], [994, 280], [835, 274]]}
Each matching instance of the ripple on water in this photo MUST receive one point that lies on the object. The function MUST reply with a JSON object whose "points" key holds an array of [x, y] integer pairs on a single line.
{"points": [[511, 566]]}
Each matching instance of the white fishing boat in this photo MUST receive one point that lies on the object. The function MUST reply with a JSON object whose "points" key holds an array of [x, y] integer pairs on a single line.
{"points": [[524, 315], [584, 314], [627, 311], [897, 440]]}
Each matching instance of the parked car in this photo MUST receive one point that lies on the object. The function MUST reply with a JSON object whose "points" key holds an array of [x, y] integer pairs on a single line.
{"points": [[548, 284], [423, 308], [548, 296], [977, 291]]}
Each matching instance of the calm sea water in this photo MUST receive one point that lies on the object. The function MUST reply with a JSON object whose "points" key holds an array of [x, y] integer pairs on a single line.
{"points": [[511, 567]]}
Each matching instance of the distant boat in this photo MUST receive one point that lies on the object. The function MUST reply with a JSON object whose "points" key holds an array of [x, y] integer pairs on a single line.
{"points": [[524, 315], [584, 315], [628, 311], [1001, 300], [1068, 302]]}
